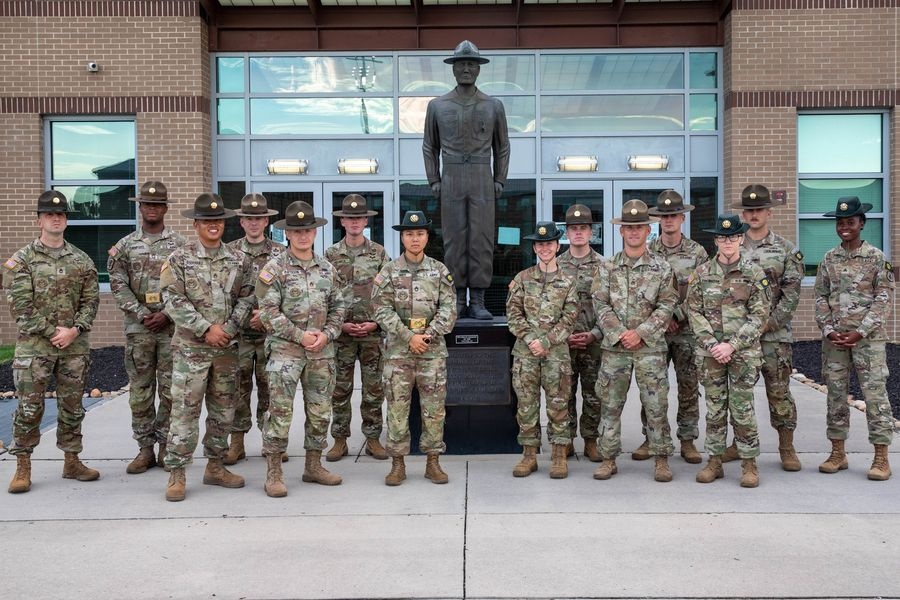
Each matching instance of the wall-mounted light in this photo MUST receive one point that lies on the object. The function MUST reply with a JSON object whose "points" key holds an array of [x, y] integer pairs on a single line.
{"points": [[648, 162], [287, 166], [576, 163], [357, 166]]}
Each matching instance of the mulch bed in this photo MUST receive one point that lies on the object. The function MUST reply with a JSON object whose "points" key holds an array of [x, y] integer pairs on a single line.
{"points": [[107, 372]]}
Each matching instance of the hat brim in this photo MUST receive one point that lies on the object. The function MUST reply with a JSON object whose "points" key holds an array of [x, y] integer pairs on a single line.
{"points": [[742, 206], [282, 224], [744, 228], [864, 207], [536, 238], [678, 211], [190, 214], [479, 59], [268, 213], [149, 200], [426, 226], [368, 213], [649, 221], [52, 210]]}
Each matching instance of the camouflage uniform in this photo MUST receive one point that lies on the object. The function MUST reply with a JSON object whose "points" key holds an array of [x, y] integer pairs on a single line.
{"points": [[134, 265], [251, 347], [853, 293], [413, 299], [636, 294], [46, 288], [729, 303], [542, 306], [357, 268], [201, 288]]}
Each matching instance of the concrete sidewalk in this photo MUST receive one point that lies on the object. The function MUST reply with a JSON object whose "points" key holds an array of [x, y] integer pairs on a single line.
{"points": [[485, 535]]}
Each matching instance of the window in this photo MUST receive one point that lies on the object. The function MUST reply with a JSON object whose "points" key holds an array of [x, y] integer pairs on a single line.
{"points": [[92, 162], [839, 154]]}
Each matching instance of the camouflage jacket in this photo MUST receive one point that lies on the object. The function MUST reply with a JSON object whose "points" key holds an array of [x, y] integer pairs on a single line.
{"points": [[853, 292], [134, 264], [200, 291], [584, 270], [542, 306], [259, 254], [728, 303], [357, 271], [684, 260], [783, 265], [414, 300], [45, 291], [294, 299], [641, 297]]}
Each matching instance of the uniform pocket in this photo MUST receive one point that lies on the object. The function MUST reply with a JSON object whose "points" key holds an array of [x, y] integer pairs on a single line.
{"points": [[21, 371]]}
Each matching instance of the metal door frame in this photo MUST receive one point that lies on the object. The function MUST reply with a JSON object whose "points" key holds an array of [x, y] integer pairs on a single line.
{"points": [[620, 185], [545, 205], [391, 209]]}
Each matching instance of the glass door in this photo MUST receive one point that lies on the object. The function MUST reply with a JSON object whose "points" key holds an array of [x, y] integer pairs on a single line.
{"points": [[379, 197], [558, 196], [645, 190], [280, 195]]}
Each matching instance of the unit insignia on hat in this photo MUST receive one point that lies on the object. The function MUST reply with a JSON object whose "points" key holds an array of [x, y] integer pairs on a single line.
{"points": [[301, 215], [577, 213], [353, 204], [213, 205], [726, 224], [254, 204], [542, 231], [152, 190], [844, 206], [414, 218]]}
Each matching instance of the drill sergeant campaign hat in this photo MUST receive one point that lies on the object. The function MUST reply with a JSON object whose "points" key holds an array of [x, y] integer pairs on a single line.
{"points": [[152, 192], [52, 201], [544, 231], [579, 214], [354, 205], [255, 205], [299, 215], [466, 50], [413, 219], [670, 202], [635, 212], [755, 196], [208, 207], [849, 206], [728, 225]]}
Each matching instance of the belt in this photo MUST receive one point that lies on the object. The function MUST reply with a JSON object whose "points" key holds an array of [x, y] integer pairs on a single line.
{"points": [[461, 159], [153, 298]]}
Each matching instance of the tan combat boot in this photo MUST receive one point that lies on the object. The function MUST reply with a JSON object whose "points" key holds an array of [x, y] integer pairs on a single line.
{"points": [[375, 449], [606, 469], [689, 452], [175, 487], [642, 452], [338, 451], [314, 472], [21, 481], [570, 450], [75, 469], [398, 472], [274, 485], [161, 457], [528, 464], [591, 452], [712, 471], [789, 459], [216, 474], [837, 460], [662, 472], [143, 461], [881, 469], [731, 453], [433, 470], [559, 468], [749, 473], [236, 450]]}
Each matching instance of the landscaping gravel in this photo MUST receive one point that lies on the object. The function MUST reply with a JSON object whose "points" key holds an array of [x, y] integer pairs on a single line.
{"points": [[107, 371]]}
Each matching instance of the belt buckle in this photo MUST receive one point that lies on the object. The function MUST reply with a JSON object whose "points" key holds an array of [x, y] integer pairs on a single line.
{"points": [[417, 323], [152, 298]]}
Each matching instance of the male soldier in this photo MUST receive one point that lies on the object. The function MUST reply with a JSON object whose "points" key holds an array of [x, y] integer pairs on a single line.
{"points": [[853, 301], [634, 297], [357, 260], [463, 128], [582, 263], [254, 214], [51, 287], [134, 265], [208, 290], [783, 264], [302, 307], [414, 305]]}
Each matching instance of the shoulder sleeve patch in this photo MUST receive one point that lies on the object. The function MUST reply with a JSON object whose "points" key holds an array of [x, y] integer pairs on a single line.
{"points": [[266, 276], [799, 256], [12, 264], [449, 278], [764, 282], [379, 279], [165, 266], [887, 265], [113, 251]]}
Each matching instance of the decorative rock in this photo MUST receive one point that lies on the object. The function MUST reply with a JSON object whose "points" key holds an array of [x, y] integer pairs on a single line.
{"points": [[95, 393]]}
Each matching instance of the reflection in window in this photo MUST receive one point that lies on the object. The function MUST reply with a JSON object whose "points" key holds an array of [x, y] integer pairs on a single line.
{"points": [[603, 114], [321, 74], [323, 116], [92, 149], [703, 70], [230, 74], [593, 199], [848, 143], [704, 193], [820, 195], [704, 112], [603, 72], [96, 240], [430, 75], [231, 193], [230, 116], [91, 202], [520, 116]]}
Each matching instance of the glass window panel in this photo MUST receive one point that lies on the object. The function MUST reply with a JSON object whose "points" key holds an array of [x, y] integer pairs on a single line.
{"points": [[230, 116], [92, 149], [307, 116], [96, 240], [850, 143], [704, 193], [704, 112], [603, 114], [91, 202], [817, 236], [703, 70], [230, 74], [430, 75], [231, 193], [520, 116], [612, 71], [321, 74], [821, 195], [375, 228], [593, 199]]}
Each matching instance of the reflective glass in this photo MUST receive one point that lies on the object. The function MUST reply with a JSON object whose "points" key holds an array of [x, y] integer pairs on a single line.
{"points": [[603, 114], [375, 228], [821, 195], [308, 116], [96, 240], [612, 71], [704, 112], [231, 193], [90, 202], [321, 74], [704, 194], [92, 149], [230, 116], [229, 74], [817, 236], [593, 199], [430, 75], [850, 143], [703, 70], [520, 116]]}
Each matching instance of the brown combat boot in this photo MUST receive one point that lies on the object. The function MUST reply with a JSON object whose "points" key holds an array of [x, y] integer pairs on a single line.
{"points": [[143, 461], [712, 471], [285, 457], [398, 472], [216, 474], [731, 453], [642, 452], [75, 469], [528, 464], [314, 472], [375, 449], [789, 459], [21, 481], [559, 468], [175, 487], [749, 473], [662, 472], [591, 452], [570, 450], [433, 470], [881, 468], [274, 485], [161, 457], [837, 460], [689, 452], [236, 450], [338, 451], [606, 469]]}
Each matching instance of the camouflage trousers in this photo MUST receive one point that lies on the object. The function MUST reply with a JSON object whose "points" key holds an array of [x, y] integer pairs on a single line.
{"points": [[681, 354], [429, 376], [251, 360], [729, 393], [317, 380], [148, 362], [197, 373], [869, 359], [613, 384], [585, 367], [31, 376], [347, 350], [776, 371], [529, 376]]}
